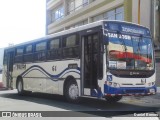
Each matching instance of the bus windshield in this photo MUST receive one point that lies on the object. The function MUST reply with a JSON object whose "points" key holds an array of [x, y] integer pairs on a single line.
{"points": [[129, 52]]}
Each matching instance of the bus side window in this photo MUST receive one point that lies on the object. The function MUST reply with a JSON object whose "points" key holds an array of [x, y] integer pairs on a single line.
{"points": [[54, 51], [70, 46], [28, 56], [40, 51], [19, 55]]}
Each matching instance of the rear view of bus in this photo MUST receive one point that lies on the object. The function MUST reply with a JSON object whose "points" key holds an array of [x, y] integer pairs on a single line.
{"points": [[130, 68]]}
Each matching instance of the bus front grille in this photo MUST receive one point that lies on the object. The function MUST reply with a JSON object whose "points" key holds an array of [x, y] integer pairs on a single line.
{"points": [[134, 91]]}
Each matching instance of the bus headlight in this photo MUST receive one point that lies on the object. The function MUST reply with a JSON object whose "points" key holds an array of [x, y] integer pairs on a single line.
{"points": [[113, 84], [110, 84], [116, 85], [149, 84]]}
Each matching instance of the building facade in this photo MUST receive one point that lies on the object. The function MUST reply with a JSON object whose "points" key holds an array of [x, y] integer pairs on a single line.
{"points": [[66, 14], [149, 17]]}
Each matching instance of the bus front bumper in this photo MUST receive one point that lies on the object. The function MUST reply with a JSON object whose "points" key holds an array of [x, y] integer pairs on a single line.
{"points": [[129, 91]]}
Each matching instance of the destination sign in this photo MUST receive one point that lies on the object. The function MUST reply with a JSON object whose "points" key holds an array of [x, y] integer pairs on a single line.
{"points": [[120, 36], [126, 28], [132, 30]]}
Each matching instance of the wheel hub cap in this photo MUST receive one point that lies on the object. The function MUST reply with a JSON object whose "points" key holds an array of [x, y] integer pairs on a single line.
{"points": [[73, 91]]}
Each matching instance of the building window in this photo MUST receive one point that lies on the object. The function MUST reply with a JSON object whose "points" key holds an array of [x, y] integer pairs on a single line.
{"points": [[74, 5], [85, 2], [120, 13], [78, 24], [57, 14], [97, 18], [71, 6], [115, 14], [81, 23], [48, 1], [110, 15]]}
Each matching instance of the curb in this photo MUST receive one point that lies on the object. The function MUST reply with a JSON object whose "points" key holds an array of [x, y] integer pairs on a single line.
{"points": [[3, 88], [1, 84]]}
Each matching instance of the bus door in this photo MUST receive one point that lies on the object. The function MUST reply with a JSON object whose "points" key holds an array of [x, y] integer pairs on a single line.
{"points": [[9, 69], [89, 63]]}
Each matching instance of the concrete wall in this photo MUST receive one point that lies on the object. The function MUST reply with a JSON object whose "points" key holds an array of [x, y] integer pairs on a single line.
{"points": [[145, 12]]}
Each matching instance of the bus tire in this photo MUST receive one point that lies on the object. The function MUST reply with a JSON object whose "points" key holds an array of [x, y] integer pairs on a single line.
{"points": [[20, 87], [71, 92], [113, 99]]}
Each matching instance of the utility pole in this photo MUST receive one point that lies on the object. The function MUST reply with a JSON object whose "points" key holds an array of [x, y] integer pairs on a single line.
{"points": [[155, 23], [139, 11]]}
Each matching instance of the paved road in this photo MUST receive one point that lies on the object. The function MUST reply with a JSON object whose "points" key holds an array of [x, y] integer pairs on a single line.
{"points": [[158, 74], [10, 101]]}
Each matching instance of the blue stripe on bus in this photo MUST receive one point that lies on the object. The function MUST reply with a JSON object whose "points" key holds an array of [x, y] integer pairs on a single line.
{"points": [[44, 71], [71, 71], [127, 90]]}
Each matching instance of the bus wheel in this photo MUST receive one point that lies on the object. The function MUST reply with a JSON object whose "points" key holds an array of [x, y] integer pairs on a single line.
{"points": [[72, 92], [20, 87], [113, 99]]}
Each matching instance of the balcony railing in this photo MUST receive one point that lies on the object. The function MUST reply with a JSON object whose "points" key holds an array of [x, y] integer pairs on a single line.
{"points": [[69, 11], [60, 17], [76, 8]]}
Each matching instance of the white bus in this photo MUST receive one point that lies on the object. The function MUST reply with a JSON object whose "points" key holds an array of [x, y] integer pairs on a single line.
{"points": [[104, 59]]}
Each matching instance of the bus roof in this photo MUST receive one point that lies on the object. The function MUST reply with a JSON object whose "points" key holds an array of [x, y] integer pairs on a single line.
{"points": [[72, 30]]}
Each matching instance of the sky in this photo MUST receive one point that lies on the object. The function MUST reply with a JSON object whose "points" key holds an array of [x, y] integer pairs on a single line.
{"points": [[21, 20]]}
